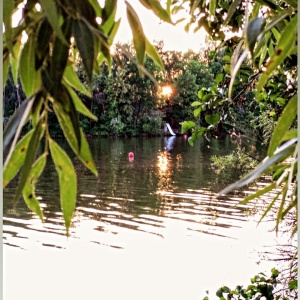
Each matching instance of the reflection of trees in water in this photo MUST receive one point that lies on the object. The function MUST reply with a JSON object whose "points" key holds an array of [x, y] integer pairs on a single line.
{"points": [[139, 195]]}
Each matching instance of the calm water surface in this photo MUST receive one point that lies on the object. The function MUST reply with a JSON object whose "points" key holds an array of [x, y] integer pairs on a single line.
{"points": [[150, 228]]}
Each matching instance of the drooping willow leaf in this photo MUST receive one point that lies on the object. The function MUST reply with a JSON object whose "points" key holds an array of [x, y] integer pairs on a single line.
{"points": [[86, 156], [67, 181], [258, 193], [8, 8], [108, 23], [253, 31], [158, 10], [72, 79], [51, 12], [14, 60], [29, 188], [85, 42], [109, 9], [16, 160], [139, 40], [44, 35], [29, 159], [287, 40], [284, 123], [212, 7], [151, 51], [14, 121], [68, 118], [80, 107], [5, 68], [30, 79], [59, 59], [232, 10], [281, 153], [265, 212]]}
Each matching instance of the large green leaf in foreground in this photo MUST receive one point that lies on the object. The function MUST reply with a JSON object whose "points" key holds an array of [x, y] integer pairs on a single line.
{"points": [[67, 181]]}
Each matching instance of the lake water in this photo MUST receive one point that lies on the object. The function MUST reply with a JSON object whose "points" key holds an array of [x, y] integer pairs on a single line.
{"points": [[150, 228]]}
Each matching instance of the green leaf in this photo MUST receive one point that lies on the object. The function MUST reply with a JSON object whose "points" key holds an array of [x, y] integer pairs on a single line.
{"points": [[67, 181], [293, 284], [234, 70], [207, 97], [293, 204], [72, 79], [281, 153], [284, 123], [255, 11], [79, 106], [97, 8], [219, 78], [5, 72], [197, 111], [269, 206], [29, 188], [114, 31], [254, 29], [109, 9], [30, 79], [14, 122], [16, 160], [287, 40], [263, 54], [14, 60], [158, 10], [212, 119], [139, 39], [187, 125], [201, 92], [276, 34], [8, 8], [85, 42], [196, 134], [29, 159], [212, 7], [36, 107], [258, 193], [151, 51], [59, 59], [196, 103], [44, 36], [68, 119], [49, 6], [109, 22], [281, 207], [86, 156], [275, 272]]}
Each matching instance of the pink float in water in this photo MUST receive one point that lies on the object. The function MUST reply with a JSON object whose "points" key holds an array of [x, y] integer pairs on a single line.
{"points": [[131, 156]]}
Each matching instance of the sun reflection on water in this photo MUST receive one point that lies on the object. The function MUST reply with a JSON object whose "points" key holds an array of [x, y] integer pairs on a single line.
{"points": [[164, 174]]}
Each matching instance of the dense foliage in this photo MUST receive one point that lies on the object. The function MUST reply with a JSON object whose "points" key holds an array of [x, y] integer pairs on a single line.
{"points": [[261, 287], [260, 72]]}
